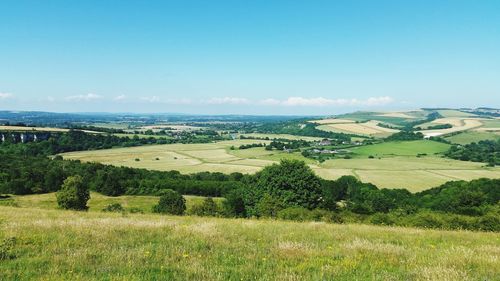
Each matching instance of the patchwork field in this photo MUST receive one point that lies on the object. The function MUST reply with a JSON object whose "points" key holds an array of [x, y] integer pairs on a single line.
{"points": [[398, 166], [65, 245], [459, 124], [369, 128]]}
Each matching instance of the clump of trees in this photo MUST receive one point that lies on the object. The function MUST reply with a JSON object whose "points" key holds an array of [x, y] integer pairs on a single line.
{"points": [[486, 151], [73, 194], [291, 183], [405, 136], [171, 202]]}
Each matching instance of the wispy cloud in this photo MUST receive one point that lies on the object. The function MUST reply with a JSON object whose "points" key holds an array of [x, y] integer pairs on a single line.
{"points": [[119, 98], [87, 97], [153, 99], [321, 101], [4, 96], [227, 100]]}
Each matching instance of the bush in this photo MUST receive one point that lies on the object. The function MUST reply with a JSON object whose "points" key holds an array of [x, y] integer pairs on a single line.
{"points": [[295, 214], [206, 208], [427, 220], [489, 222], [269, 206], [115, 207], [135, 210], [171, 202], [73, 194], [382, 219], [234, 206], [7, 248]]}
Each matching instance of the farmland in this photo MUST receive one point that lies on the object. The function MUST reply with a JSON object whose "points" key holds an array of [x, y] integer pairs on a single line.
{"points": [[55, 244], [398, 166]]}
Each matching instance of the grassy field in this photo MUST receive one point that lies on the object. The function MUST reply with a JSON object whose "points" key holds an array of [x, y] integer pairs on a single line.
{"points": [[65, 245], [454, 113], [398, 167], [97, 201], [402, 148], [471, 136]]}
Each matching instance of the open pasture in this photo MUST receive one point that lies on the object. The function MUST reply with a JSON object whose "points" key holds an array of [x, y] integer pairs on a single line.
{"points": [[98, 201], [186, 158], [66, 245], [395, 169], [401, 148], [473, 136]]}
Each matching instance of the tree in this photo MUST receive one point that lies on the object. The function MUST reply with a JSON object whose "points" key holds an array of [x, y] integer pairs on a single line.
{"points": [[73, 194], [234, 206], [291, 183], [206, 208], [171, 202]]}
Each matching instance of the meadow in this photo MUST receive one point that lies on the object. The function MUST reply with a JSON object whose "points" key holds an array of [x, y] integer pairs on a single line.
{"points": [[67, 245], [395, 164], [98, 201]]}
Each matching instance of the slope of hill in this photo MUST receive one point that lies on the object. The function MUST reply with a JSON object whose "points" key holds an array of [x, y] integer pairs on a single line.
{"points": [[64, 245]]}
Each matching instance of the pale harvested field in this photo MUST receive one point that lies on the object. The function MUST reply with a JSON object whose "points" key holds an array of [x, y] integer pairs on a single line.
{"points": [[459, 124], [185, 158], [412, 173], [369, 128], [397, 115]]}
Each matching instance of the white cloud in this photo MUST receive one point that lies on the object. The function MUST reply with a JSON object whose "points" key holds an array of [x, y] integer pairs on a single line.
{"points": [[87, 97], [119, 98], [4, 96], [321, 102], [153, 99], [228, 100], [270, 102]]}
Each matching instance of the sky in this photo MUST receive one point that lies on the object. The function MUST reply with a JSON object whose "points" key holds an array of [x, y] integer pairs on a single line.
{"points": [[248, 57]]}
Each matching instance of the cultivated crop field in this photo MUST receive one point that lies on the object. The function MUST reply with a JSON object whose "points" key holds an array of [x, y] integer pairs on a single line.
{"points": [[66, 245], [395, 164], [369, 128]]}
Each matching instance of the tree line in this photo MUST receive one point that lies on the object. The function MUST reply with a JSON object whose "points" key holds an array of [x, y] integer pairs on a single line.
{"points": [[289, 190]]}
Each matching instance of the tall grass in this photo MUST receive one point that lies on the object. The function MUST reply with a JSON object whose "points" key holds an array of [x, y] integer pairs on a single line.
{"points": [[65, 245]]}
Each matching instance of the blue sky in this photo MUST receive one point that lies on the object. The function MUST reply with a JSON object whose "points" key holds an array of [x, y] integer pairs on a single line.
{"points": [[248, 57]]}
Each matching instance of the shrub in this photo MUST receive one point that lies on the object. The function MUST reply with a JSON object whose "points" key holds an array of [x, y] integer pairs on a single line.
{"points": [[489, 222], [206, 208], [7, 248], [382, 219], [115, 207], [135, 210], [171, 202], [234, 206], [427, 220], [73, 194], [269, 206], [295, 214]]}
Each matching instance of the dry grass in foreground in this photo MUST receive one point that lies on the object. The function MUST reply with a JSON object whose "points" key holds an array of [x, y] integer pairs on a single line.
{"points": [[65, 245]]}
